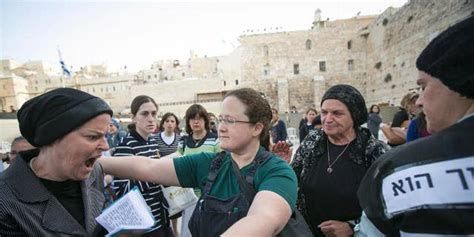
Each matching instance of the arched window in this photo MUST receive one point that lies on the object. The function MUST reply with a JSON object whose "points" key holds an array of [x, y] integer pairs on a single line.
{"points": [[308, 44], [265, 50], [349, 44]]}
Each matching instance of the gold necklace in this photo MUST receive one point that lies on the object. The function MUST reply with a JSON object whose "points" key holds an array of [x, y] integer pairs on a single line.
{"points": [[329, 169]]}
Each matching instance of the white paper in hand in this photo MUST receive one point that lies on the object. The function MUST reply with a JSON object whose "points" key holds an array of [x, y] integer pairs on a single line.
{"points": [[130, 212]]}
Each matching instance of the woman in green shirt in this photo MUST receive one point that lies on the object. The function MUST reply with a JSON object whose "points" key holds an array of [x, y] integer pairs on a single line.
{"points": [[243, 131], [198, 140]]}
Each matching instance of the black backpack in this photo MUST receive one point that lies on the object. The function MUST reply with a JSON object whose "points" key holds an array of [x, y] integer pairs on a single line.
{"points": [[296, 226]]}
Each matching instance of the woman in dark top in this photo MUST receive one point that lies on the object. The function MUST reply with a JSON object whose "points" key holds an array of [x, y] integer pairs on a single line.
{"points": [[308, 123], [374, 120], [140, 142], [57, 189], [396, 132], [278, 130], [417, 128], [331, 162]]}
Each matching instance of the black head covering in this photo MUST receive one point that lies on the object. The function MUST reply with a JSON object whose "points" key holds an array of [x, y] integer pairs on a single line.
{"points": [[54, 114], [450, 58], [352, 98]]}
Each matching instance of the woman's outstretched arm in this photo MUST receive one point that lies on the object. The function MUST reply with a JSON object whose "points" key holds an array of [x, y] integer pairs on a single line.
{"points": [[142, 168], [267, 216]]}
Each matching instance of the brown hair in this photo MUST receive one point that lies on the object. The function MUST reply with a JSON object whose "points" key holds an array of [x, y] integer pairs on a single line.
{"points": [[135, 106], [408, 98], [193, 111], [138, 101], [311, 109], [165, 117], [372, 107], [257, 110]]}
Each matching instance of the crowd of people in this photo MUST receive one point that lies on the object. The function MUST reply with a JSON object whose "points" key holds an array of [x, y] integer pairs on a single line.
{"points": [[73, 159]]}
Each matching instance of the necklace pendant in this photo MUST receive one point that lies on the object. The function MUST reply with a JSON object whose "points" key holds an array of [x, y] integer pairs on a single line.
{"points": [[329, 170]]}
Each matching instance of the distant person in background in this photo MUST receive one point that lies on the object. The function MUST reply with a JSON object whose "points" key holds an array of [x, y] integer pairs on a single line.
{"points": [[212, 122], [115, 134], [308, 123], [278, 130], [18, 144], [396, 132], [374, 120], [114, 137], [293, 110], [417, 128], [168, 140]]}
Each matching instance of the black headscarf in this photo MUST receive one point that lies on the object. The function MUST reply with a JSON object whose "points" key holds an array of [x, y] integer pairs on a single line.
{"points": [[450, 58], [54, 114], [352, 98]]}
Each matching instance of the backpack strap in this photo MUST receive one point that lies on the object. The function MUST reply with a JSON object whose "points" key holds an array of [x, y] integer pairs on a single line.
{"points": [[215, 166], [246, 188], [246, 185], [262, 157]]}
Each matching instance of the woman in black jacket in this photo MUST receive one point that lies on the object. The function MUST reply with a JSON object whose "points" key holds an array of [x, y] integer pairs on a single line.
{"points": [[309, 123]]}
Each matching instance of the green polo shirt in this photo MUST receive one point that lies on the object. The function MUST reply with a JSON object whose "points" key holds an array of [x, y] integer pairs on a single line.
{"points": [[273, 175]]}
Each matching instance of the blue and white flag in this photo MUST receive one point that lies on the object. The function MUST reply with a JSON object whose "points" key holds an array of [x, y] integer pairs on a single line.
{"points": [[66, 71]]}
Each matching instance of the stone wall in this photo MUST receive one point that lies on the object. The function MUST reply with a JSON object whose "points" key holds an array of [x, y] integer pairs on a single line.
{"points": [[268, 59], [176, 96], [383, 50], [396, 39], [13, 93]]}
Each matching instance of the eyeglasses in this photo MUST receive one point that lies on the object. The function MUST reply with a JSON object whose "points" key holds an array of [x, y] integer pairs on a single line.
{"points": [[231, 121]]}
